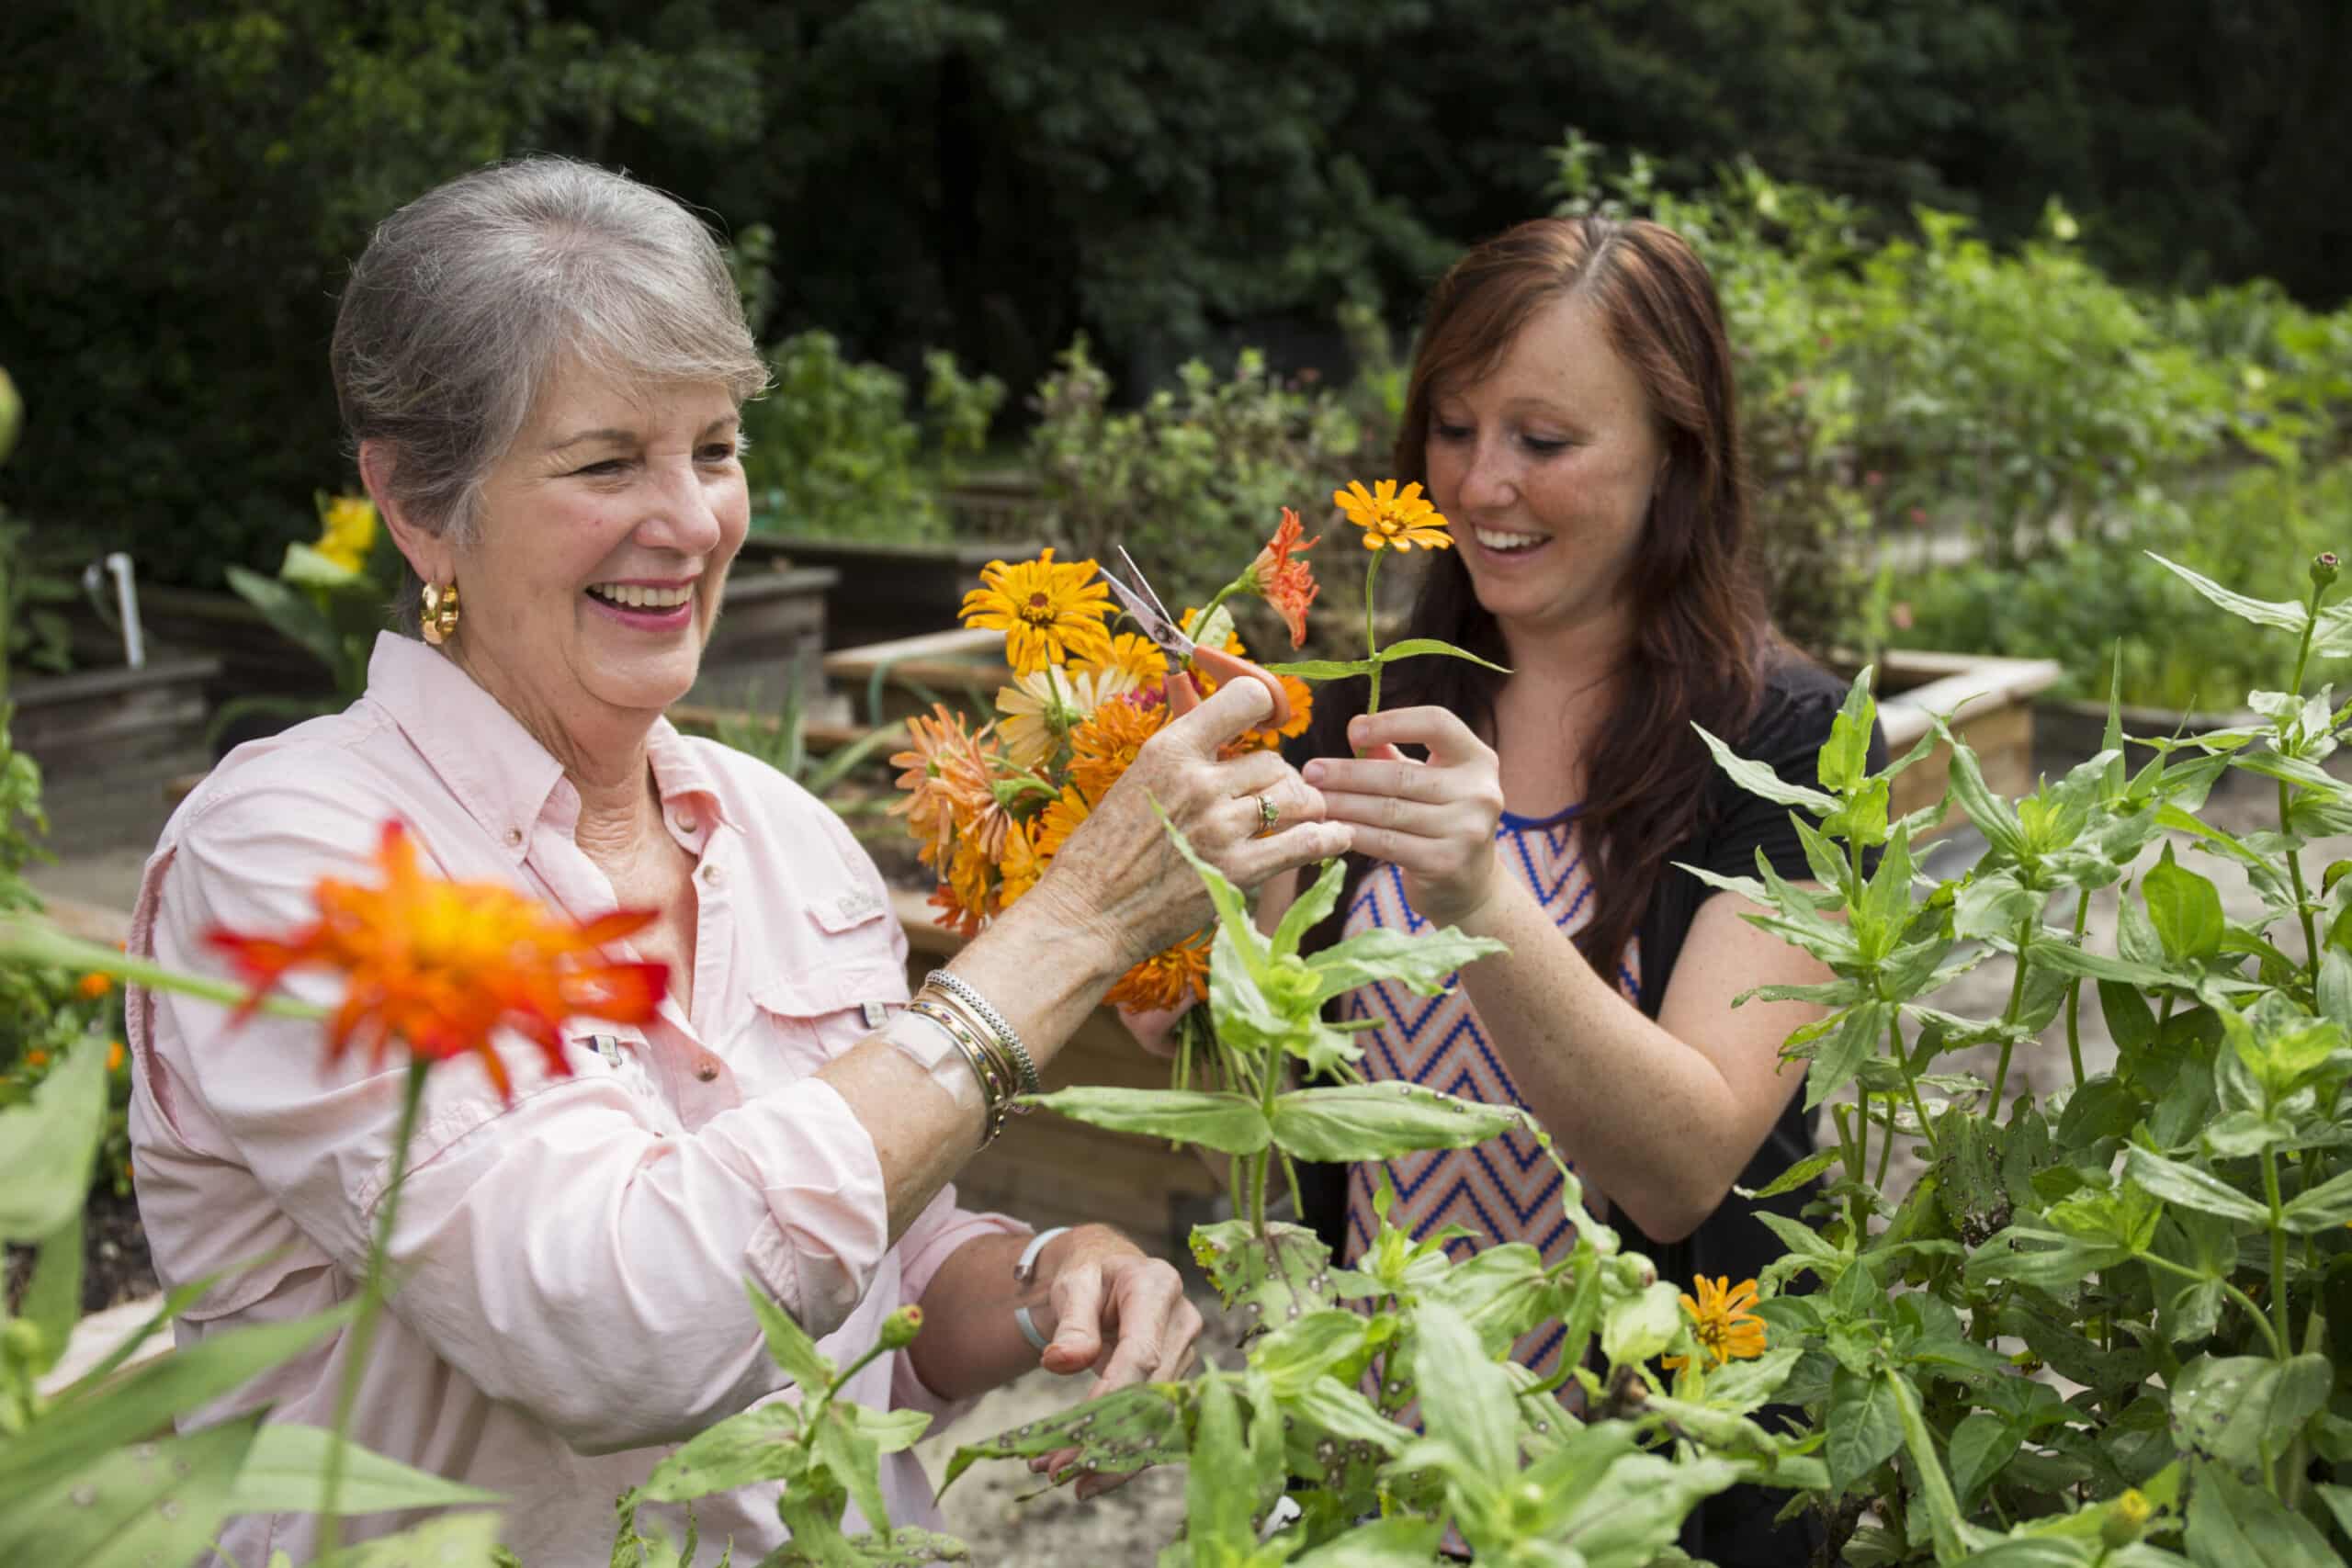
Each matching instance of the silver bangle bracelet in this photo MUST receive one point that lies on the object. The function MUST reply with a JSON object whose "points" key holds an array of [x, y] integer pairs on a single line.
{"points": [[962, 991], [1024, 1272]]}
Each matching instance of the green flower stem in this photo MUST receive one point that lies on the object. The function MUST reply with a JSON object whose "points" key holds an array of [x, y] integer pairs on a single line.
{"points": [[1239, 584], [1910, 1087], [1856, 1145], [1371, 636], [2075, 993], [2294, 855], [371, 1306], [1264, 1159], [2245, 1302], [35, 943], [1886, 1149], [841, 1378], [2285, 1336], [2010, 1017]]}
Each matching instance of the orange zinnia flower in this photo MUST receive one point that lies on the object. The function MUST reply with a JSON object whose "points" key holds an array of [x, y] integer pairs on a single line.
{"points": [[1165, 977], [1059, 820], [963, 897], [1727, 1331], [445, 965], [1019, 868], [1391, 520], [93, 986], [1104, 747], [947, 777], [114, 1056], [1288, 585]]}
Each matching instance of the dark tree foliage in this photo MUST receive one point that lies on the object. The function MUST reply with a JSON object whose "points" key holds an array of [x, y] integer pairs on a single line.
{"points": [[188, 178]]}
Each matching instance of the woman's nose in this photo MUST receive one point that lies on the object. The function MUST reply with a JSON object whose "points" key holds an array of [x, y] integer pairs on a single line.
{"points": [[1487, 480], [684, 514]]}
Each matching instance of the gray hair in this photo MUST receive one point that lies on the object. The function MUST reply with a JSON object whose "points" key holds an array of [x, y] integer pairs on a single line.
{"points": [[469, 299]]}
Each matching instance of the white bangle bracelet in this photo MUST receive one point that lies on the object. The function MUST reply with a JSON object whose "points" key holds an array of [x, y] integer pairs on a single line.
{"points": [[1024, 1272]]}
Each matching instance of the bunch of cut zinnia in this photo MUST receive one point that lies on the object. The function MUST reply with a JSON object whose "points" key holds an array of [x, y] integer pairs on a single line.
{"points": [[992, 806]]}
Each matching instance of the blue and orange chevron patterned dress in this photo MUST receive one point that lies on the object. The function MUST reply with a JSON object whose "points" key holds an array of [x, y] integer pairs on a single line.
{"points": [[1505, 1189]]}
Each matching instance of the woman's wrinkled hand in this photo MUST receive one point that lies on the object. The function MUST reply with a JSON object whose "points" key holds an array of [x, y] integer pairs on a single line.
{"points": [[1154, 1028], [1121, 1314], [1433, 821], [1119, 873]]}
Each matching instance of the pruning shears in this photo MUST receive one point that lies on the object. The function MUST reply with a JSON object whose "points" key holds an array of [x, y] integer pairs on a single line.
{"points": [[1183, 654]]}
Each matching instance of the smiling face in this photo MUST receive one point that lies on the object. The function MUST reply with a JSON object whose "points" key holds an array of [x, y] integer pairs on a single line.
{"points": [[604, 536], [1546, 465]]}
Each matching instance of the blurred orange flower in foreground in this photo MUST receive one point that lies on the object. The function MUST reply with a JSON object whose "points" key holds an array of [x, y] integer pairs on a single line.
{"points": [[445, 964]]}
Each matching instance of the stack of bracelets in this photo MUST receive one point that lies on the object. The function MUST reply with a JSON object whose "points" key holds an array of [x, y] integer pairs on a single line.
{"points": [[989, 1045]]}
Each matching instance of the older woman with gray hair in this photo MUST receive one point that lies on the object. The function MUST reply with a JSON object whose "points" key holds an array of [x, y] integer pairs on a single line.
{"points": [[542, 365]]}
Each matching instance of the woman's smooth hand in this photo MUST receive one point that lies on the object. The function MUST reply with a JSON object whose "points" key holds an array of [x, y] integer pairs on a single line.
{"points": [[1119, 873], [1121, 1314], [1433, 821], [1154, 1028]]}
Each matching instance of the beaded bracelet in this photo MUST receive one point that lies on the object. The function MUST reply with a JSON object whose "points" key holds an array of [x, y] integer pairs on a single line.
{"points": [[957, 987]]}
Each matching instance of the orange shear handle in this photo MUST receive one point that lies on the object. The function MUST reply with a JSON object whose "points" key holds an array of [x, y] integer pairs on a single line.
{"points": [[1223, 667]]}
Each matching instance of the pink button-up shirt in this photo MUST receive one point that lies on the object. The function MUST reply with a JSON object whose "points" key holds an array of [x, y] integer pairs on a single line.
{"points": [[570, 1268]]}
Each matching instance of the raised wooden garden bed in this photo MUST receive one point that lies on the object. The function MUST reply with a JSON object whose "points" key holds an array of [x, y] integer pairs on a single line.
{"points": [[888, 591], [108, 742], [891, 680], [770, 631]]}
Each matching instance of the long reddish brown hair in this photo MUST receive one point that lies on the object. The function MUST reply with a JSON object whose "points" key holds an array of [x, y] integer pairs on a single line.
{"points": [[1702, 639]]}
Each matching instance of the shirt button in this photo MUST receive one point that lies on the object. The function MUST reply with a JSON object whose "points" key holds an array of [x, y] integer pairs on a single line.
{"points": [[710, 875], [685, 822], [706, 1069], [514, 837]]}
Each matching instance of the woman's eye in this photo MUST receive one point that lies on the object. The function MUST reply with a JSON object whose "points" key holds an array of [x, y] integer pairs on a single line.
{"points": [[606, 469], [718, 452], [1445, 431], [1544, 446]]}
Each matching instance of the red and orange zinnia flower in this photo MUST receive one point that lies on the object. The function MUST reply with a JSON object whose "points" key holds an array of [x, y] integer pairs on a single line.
{"points": [[1287, 585], [444, 965]]}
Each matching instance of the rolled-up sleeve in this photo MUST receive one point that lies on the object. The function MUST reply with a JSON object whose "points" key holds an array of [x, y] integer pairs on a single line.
{"points": [[566, 1252], [936, 1235]]}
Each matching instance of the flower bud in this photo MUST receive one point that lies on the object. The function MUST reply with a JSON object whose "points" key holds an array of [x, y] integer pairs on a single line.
{"points": [[21, 1342], [2324, 568], [2126, 1518], [899, 1329], [1633, 1270]]}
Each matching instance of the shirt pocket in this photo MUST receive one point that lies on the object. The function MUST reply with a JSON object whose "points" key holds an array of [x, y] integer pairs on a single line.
{"points": [[810, 1019]]}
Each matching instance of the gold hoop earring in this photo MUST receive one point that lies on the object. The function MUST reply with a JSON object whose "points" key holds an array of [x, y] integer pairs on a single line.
{"points": [[440, 619]]}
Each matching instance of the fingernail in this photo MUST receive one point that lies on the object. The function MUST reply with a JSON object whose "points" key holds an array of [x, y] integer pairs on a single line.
{"points": [[1314, 772]]}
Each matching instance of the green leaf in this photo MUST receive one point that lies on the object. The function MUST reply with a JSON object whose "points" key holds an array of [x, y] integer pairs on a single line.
{"points": [[2323, 1208], [1138, 1425], [761, 1444], [1380, 1120], [2129, 1021], [46, 1144], [1799, 1174], [77, 1430], [2233, 1408], [1220, 1493], [888, 1430], [1845, 761], [1421, 647], [1865, 1425], [1465, 1398], [156, 1501], [2185, 908], [1928, 1470], [1758, 779], [1980, 1445], [1292, 1355], [2051, 952], [1638, 1508], [282, 1471], [1400, 1540], [1322, 668], [2245, 1527], [789, 1344], [52, 1301], [851, 1457], [453, 1538], [2192, 1188], [1267, 1279], [1308, 910], [1423, 964], [1230, 1124], [2033, 1255], [2286, 615], [1966, 788], [1840, 1056]]}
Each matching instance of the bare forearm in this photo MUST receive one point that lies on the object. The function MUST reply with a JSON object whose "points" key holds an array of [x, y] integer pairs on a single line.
{"points": [[925, 1131], [969, 1342], [1648, 1120]]}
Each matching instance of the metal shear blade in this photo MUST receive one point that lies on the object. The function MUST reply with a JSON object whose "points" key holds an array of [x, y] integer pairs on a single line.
{"points": [[1144, 604]]}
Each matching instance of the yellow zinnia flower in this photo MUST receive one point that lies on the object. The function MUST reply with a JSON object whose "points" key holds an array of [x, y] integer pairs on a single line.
{"points": [[1049, 614], [347, 531], [1040, 709], [1726, 1330], [1059, 820], [1392, 521], [1136, 654]]}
